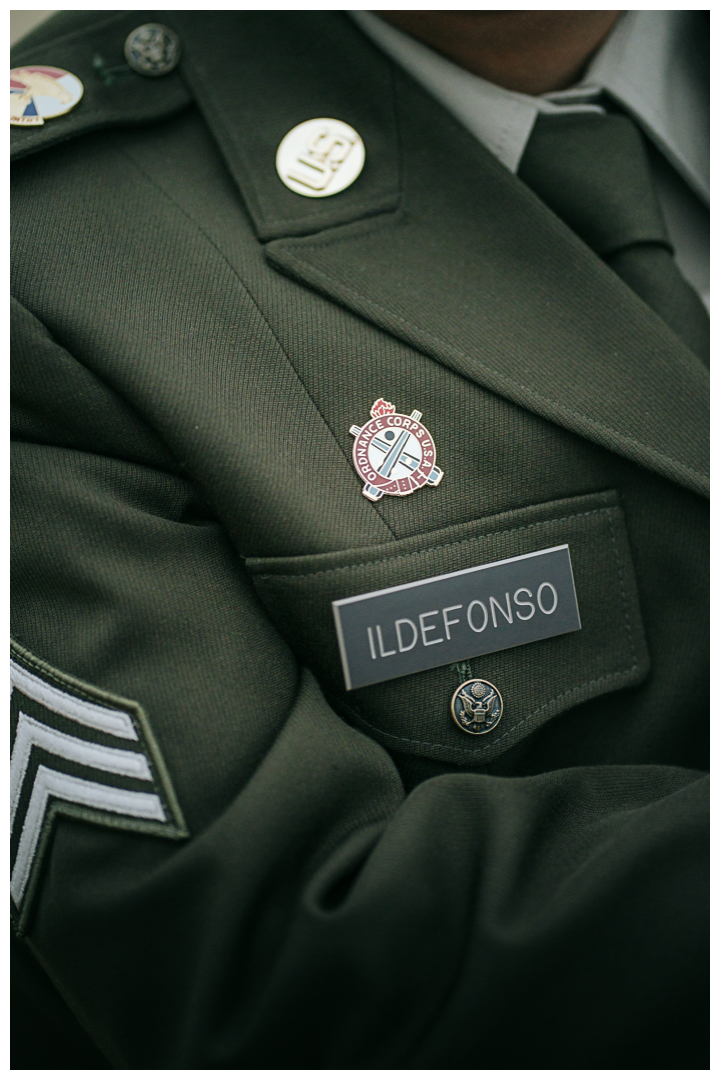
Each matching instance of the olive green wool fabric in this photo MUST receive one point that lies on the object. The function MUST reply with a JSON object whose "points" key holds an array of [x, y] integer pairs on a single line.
{"points": [[362, 887]]}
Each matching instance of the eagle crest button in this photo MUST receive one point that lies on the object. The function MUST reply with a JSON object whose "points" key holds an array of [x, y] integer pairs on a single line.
{"points": [[152, 49], [41, 92], [477, 706], [394, 454], [320, 157]]}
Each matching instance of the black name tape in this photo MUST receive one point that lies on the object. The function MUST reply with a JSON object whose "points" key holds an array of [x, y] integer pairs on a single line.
{"points": [[441, 620]]}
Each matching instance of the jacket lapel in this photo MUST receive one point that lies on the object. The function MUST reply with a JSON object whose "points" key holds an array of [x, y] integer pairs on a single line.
{"points": [[458, 258]]}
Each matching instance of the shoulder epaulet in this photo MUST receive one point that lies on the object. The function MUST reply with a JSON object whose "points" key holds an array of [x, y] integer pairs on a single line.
{"points": [[114, 94]]}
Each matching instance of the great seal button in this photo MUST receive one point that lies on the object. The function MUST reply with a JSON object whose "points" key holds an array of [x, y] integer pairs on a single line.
{"points": [[477, 706], [152, 49], [41, 92], [320, 157]]}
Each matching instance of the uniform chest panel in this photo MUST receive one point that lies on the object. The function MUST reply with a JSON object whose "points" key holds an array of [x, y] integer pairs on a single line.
{"points": [[254, 380]]}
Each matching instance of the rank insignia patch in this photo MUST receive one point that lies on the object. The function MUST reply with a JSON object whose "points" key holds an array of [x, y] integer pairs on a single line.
{"points": [[78, 752], [394, 454]]}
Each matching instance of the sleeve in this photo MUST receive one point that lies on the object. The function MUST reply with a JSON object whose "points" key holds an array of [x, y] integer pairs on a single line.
{"points": [[315, 915]]}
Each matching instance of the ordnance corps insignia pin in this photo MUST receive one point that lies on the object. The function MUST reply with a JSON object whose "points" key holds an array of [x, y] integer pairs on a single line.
{"points": [[394, 454]]}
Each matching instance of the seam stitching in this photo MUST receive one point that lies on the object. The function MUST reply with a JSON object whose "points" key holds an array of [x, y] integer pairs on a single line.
{"points": [[503, 375], [442, 746], [440, 547], [420, 744], [151, 180], [103, 382], [626, 609]]}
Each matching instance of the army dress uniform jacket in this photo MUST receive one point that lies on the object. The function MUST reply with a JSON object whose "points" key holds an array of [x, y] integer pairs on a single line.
{"points": [[236, 862]]}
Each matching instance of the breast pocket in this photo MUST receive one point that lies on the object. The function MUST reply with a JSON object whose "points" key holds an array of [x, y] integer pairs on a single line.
{"points": [[535, 680]]}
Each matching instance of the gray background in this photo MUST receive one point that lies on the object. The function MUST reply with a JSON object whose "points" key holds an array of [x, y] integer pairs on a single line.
{"points": [[23, 21]]}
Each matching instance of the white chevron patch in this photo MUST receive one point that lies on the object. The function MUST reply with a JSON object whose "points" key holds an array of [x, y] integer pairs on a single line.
{"points": [[79, 752]]}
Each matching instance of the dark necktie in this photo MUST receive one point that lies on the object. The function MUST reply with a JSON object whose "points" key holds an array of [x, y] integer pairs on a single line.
{"points": [[593, 172]]}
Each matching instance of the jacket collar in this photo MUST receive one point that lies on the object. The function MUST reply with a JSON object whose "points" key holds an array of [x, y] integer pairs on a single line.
{"points": [[439, 244], [270, 70], [655, 64], [651, 63]]}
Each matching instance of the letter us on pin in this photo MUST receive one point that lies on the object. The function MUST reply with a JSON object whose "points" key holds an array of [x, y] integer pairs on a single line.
{"points": [[440, 620]]}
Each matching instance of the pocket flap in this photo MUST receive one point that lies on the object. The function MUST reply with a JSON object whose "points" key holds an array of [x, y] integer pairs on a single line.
{"points": [[537, 680]]}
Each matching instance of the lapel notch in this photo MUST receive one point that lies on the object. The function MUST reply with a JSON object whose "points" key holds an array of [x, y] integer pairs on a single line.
{"points": [[441, 246]]}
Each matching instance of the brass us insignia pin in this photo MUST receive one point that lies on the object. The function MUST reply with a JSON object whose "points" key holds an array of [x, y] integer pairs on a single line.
{"points": [[394, 454], [320, 157]]}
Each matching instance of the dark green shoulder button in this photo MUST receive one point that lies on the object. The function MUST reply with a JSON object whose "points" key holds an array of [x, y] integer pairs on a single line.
{"points": [[152, 49], [116, 93]]}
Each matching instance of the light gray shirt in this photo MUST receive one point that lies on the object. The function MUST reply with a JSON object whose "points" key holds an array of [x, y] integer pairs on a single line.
{"points": [[646, 64]]}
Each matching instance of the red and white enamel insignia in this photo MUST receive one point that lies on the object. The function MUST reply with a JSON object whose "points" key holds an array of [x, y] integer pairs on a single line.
{"points": [[394, 454], [39, 93]]}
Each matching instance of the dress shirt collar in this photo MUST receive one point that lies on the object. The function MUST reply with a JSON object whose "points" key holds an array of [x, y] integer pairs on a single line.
{"points": [[647, 64]]}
